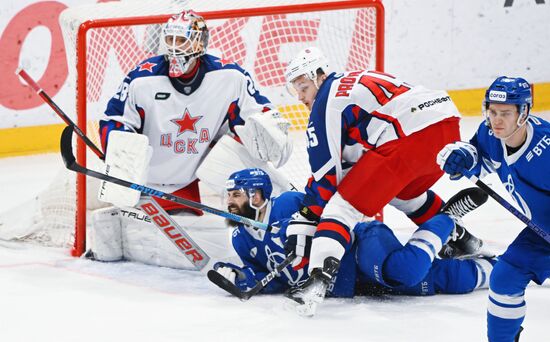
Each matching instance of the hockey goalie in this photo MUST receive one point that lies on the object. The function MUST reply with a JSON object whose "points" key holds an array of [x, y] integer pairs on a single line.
{"points": [[176, 118]]}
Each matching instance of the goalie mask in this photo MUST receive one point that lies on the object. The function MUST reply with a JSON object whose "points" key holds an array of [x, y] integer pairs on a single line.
{"points": [[507, 90], [185, 39], [307, 63], [248, 181]]}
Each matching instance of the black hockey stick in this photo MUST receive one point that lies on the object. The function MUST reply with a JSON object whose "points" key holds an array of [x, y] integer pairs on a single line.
{"points": [[532, 225], [228, 286], [71, 164], [59, 111]]}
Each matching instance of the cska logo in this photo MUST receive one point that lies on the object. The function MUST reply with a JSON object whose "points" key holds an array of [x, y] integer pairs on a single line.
{"points": [[186, 123], [224, 62], [190, 144], [147, 66]]}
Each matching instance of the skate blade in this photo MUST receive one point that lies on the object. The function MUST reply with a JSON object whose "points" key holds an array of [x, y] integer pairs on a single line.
{"points": [[478, 254], [482, 252], [307, 309]]}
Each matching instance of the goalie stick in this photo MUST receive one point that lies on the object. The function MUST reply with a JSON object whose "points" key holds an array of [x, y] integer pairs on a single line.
{"points": [[59, 111], [228, 286], [71, 164], [532, 225]]}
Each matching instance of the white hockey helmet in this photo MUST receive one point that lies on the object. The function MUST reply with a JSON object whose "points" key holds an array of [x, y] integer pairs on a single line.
{"points": [[307, 62], [185, 37]]}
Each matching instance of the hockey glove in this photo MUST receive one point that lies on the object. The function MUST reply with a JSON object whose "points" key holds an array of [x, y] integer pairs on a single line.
{"points": [[299, 234], [242, 277], [265, 136], [457, 159]]}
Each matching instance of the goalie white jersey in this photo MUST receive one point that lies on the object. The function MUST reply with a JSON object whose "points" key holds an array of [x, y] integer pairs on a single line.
{"points": [[181, 119]]}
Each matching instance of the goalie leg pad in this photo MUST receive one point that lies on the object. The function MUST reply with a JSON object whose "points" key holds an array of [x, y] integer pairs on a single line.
{"points": [[144, 242], [105, 236], [174, 233]]}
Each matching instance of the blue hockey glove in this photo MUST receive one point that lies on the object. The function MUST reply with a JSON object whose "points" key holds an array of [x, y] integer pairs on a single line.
{"points": [[242, 277], [457, 159]]}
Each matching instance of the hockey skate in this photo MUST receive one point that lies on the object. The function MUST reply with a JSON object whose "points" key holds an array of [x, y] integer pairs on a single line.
{"points": [[462, 244], [519, 333], [305, 298]]}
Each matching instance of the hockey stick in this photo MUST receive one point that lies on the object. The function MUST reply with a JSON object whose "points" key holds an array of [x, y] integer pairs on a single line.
{"points": [[228, 286], [172, 230], [532, 225], [71, 164], [59, 111]]}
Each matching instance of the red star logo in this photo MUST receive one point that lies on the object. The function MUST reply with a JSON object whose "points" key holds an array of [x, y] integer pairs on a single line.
{"points": [[186, 123], [147, 66], [224, 62]]}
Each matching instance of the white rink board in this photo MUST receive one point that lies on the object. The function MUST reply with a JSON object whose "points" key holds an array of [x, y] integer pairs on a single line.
{"points": [[456, 44]]}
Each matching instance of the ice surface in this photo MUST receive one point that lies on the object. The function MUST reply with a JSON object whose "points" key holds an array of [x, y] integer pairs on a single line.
{"points": [[46, 295]]}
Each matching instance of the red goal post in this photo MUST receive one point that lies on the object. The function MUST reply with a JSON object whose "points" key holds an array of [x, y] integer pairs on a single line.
{"points": [[355, 24]]}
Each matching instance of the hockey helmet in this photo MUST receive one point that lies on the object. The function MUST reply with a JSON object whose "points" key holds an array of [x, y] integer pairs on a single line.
{"points": [[185, 38], [509, 90], [250, 180], [307, 62]]}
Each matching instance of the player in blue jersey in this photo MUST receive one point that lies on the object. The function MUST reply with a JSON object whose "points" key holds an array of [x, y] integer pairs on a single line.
{"points": [[184, 101], [373, 139], [249, 194], [377, 262], [516, 146]]}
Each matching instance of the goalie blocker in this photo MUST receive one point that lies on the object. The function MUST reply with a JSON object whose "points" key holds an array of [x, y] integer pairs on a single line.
{"points": [[127, 157]]}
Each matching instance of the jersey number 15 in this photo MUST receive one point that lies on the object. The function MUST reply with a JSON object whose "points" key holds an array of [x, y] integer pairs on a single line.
{"points": [[312, 140]]}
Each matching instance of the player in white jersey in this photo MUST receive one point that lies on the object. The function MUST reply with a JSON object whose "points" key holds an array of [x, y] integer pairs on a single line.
{"points": [[372, 141], [184, 101]]}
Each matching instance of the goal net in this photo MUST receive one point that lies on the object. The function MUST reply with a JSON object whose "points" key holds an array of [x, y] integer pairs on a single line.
{"points": [[105, 41]]}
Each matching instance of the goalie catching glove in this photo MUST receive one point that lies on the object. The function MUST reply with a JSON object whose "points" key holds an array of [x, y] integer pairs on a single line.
{"points": [[242, 277], [265, 136]]}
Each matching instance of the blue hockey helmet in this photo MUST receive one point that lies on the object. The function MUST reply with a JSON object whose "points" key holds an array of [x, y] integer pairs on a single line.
{"points": [[509, 90], [250, 180]]}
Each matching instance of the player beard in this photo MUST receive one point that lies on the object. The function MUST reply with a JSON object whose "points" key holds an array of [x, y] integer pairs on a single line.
{"points": [[245, 210]]}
